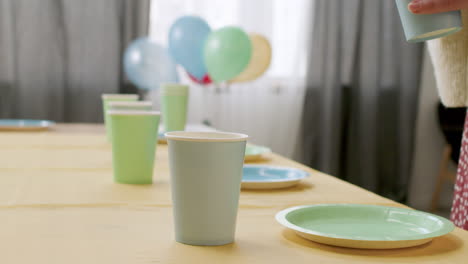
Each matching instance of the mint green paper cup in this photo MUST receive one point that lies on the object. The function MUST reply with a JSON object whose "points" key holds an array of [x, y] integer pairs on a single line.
{"points": [[128, 105], [134, 137], [206, 173], [106, 99], [419, 27], [174, 100]]}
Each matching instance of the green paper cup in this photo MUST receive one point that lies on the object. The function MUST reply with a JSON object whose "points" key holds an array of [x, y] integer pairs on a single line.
{"points": [[106, 99], [138, 105], [134, 137], [174, 100], [206, 173], [419, 27]]}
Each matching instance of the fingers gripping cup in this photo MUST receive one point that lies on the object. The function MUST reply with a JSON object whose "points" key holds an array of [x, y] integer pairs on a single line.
{"points": [[422, 27], [106, 99], [134, 137], [174, 100], [206, 173]]}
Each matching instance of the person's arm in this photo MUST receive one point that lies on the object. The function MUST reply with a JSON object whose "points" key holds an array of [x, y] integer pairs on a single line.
{"points": [[436, 6]]}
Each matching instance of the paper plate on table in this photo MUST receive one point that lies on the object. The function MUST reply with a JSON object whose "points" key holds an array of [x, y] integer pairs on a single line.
{"points": [[254, 152], [269, 177], [25, 124], [364, 226]]}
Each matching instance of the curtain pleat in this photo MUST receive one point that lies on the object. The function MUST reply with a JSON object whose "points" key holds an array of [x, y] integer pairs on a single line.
{"points": [[64, 54], [362, 94]]}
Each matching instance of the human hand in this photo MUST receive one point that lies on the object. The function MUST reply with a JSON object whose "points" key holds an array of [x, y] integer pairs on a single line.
{"points": [[436, 6]]}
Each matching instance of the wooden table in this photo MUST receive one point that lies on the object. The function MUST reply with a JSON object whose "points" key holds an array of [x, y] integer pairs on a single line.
{"points": [[58, 204]]}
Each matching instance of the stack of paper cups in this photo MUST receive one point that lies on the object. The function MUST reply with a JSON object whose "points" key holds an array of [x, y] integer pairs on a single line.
{"points": [[106, 99], [138, 105]]}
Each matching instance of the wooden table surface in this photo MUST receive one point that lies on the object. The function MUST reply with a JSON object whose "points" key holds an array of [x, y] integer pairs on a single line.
{"points": [[58, 204]]}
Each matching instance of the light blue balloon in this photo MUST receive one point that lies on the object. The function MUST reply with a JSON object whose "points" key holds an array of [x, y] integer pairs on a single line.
{"points": [[186, 41], [147, 64]]}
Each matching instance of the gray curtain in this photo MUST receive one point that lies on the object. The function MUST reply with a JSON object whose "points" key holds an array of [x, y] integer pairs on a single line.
{"points": [[58, 56], [361, 98]]}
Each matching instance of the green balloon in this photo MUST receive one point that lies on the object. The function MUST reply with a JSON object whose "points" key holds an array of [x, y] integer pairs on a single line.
{"points": [[227, 53]]}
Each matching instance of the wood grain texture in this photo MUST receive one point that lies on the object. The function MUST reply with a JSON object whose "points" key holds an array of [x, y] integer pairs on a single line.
{"points": [[58, 204]]}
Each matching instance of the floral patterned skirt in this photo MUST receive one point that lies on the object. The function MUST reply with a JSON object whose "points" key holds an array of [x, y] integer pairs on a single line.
{"points": [[459, 214]]}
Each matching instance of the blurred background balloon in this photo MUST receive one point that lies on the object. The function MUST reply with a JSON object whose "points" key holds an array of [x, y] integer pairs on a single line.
{"points": [[186, 40], [147, 64], [259, 61], [227, 52], [204, 81]]}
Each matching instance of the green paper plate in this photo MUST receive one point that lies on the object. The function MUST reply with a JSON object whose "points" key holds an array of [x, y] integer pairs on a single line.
{"points": [[254, 152], [364, 226]]}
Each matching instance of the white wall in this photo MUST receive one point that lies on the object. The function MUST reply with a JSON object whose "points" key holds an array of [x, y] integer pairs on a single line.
{"points": [[429, 143], [269, 108]]}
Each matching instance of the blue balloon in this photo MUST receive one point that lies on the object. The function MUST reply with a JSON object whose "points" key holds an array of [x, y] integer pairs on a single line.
{"points": [[148, 64], [186, 41]]}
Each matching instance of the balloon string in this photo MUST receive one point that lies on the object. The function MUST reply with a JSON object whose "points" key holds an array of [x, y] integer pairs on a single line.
{"points": [[218, 88], [221, 88]]}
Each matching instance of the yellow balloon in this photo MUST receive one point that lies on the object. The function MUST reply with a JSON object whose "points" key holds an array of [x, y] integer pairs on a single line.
{"points": [[259, 61]]}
